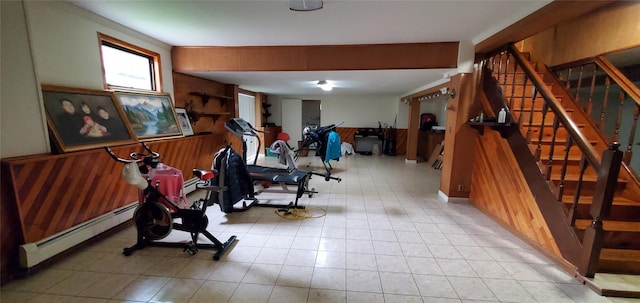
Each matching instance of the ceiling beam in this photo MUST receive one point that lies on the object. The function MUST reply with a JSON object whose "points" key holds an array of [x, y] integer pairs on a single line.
{"points": [[316, 57], [550, 15]]}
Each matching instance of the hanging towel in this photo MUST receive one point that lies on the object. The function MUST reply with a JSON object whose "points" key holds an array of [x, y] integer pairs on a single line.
{"points": [[285, 154], [333, 147]]}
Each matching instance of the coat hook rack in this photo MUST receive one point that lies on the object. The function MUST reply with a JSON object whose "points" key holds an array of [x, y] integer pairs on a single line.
{"points": [[203, 96]]}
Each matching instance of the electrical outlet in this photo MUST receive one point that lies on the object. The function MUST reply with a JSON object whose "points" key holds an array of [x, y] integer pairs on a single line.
{"points": [[461, 187]]}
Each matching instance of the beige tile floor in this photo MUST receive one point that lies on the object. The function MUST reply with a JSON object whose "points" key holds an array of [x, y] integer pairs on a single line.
{"points": [[385, 237]]}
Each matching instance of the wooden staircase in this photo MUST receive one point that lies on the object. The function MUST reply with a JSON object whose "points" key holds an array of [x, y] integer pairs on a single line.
{"points": [[562, 168]]}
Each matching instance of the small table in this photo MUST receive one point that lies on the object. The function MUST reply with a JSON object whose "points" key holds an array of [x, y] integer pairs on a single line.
{"points": [[171, 184]]}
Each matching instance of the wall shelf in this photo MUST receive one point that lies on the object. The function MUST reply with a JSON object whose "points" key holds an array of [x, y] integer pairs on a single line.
{"points": [[194, 116], [206, 96], [503, 128]]}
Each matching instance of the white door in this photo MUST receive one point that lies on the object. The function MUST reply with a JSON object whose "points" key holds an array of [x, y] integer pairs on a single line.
{"points": [[292, 120], [247, 109]]}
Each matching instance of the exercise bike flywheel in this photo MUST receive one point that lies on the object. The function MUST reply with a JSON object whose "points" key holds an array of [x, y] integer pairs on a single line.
{"points": [[153, 220]]}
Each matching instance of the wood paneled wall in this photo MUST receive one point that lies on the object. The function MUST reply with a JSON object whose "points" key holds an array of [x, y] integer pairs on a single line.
{"points": [[183, 85], [499, 189], [51, 193], [611, 28], [316, 57]]}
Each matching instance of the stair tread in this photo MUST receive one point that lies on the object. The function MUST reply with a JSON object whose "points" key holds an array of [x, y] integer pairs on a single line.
{"points": [[588, 177], [624, 226], [589, 199], [538, 123], [558, 141], [517, 109]]}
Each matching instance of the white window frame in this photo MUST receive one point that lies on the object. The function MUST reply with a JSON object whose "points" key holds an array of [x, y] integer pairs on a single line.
{"points": [[153, 57]]}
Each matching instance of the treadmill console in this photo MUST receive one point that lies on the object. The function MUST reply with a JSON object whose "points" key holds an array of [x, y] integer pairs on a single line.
{"points": [[239, 127]]}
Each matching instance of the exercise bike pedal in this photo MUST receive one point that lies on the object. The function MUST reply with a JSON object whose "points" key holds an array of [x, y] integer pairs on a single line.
{"points": [[191, 248]]}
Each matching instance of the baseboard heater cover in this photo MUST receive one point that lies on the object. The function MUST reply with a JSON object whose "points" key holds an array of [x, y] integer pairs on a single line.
{"points": [[190, 185], [32, 254]]}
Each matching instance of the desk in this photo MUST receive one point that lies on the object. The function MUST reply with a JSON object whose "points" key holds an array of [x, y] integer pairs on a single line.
{"points": [[365, 144], [427, 141], [171, 185]]}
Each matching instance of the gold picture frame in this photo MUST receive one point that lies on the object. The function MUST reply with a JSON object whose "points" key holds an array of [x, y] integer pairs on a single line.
{"points": [[151, 115], [80, 119]]}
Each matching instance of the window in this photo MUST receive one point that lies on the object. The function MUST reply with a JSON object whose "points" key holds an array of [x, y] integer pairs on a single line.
{"points": [[127, 66]]}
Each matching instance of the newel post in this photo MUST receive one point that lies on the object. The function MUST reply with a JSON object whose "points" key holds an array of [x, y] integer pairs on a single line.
{"points": [[600, 209]]}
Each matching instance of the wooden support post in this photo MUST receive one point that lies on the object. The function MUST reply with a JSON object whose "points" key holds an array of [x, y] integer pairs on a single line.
{"points": [[600, 209]]}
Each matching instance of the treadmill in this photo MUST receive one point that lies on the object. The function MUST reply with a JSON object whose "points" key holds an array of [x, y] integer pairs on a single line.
{"points": [[274, 175]]}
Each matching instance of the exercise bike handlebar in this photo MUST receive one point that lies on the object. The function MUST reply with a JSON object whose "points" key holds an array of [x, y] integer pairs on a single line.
{"points": [[135, 157], [114, 157]]}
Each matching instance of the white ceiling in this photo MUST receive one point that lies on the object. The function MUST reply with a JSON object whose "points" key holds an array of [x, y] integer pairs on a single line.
{"points": [[267, 22]]}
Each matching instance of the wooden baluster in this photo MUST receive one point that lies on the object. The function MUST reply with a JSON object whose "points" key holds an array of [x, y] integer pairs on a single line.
{"points": [[622, 97], [506, 70], [568, 82], [493, 63], [577, 96], [556, 124], [499, 71], [532, 110], [600, 209], [589, 105], [628, 153], [513, 88], [563, 172], [545, 108], [573, 213], [603, 111]]}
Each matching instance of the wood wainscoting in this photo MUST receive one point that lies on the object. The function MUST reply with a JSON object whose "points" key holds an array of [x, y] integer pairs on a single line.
{"points": [[43, 195], [502, 191]]}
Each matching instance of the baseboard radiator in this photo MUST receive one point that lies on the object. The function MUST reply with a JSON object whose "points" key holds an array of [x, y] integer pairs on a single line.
{"points": [[32, 254]]}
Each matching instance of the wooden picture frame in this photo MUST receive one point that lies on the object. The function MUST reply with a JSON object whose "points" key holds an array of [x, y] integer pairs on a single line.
{"points": [[185, 123], [80, 119], [150, 114]]}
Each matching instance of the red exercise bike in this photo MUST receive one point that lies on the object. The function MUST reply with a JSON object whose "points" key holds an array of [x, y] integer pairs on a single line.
{"points": [[156, 214]]}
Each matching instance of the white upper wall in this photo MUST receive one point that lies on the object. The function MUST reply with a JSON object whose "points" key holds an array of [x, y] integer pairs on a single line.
{"points": [[61, 49], [354, 111]]}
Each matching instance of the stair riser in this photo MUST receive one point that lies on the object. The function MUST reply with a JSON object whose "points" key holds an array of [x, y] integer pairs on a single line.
{"points": [[618, 212], [561, 134], [519, 90], [617, 239], [536, 117], [519, 76], [587, 188], [626, 267], [515, 103], [559, 151], [510, 67]]}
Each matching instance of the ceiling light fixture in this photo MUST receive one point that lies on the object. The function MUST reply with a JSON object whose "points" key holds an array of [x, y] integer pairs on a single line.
{"points": [[326, 86], [305, 5]]}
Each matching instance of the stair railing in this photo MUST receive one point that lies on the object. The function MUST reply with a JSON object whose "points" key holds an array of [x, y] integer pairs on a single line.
{"points": [[512, 69], [610, 99]]}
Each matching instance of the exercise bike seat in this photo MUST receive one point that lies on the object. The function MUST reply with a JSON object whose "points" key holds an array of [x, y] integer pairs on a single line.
{"points": [[204, 174]]}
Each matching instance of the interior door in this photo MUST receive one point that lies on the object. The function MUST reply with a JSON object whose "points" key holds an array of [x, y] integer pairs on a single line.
{"points": [[292, 120], [247, 109]]}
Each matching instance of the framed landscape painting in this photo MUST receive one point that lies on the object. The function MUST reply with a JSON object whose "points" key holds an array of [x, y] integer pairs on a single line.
{"points": [[185, 124], [151, 115], [80, 119]]}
